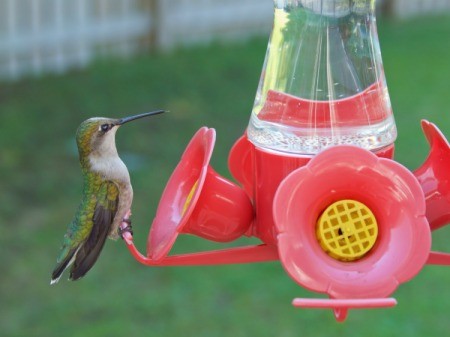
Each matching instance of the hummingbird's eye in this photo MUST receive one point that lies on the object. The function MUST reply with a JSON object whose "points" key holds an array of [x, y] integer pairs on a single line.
{"points": [[104, 127]]}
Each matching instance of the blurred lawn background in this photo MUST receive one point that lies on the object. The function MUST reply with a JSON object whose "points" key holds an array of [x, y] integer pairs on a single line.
{"points": [[41, 185]]}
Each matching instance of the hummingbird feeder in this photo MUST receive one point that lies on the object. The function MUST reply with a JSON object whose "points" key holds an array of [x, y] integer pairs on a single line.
{"points": [[317, 181]]}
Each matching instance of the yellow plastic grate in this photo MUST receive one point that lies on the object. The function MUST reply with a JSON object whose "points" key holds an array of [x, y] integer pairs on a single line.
{"points": [[189, 198], [347, 230]]}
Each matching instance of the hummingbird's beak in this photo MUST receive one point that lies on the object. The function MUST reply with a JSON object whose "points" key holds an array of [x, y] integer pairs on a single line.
{"points": [[132, 118]]}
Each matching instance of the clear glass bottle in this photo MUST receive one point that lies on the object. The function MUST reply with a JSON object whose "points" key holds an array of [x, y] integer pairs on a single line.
{"points": [[322, 82]]}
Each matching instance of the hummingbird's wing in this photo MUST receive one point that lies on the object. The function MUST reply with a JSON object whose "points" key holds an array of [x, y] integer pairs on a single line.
{"points": [[103, 217]]}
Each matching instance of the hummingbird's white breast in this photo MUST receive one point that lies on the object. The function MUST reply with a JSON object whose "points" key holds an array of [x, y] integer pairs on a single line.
{"points": [[106, 161], [111, 167]]}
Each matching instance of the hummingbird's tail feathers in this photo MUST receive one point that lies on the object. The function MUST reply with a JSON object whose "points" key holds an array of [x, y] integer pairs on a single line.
{"points": [[91, 249], [86, 258], [62, 265]]}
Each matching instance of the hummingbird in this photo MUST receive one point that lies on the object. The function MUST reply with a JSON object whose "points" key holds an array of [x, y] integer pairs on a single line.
{"points": [[106, 200]]}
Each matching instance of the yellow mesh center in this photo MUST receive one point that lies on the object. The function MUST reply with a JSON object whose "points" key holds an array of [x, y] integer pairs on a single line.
{"points": [[189, 198], [347, 230]]}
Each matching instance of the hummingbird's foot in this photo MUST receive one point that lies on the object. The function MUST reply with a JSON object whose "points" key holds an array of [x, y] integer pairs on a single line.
{"points": [[126, 227], [126, 231]]}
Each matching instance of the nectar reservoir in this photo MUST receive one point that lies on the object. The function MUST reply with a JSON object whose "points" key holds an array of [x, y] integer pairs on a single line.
{"points": [[322, 82]]}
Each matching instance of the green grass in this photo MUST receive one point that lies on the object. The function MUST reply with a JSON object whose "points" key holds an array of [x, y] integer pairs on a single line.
{"points": [[214, 86]]}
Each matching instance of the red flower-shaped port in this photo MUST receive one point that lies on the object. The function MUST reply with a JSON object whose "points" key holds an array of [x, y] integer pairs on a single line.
{"points": [[342, 176]]}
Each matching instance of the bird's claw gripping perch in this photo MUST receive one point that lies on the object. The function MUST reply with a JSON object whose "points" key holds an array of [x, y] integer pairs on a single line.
{"points": [[125, 229]]}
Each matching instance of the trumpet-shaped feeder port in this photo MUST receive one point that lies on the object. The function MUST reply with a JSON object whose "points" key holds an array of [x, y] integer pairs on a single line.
{"points": [[198, 201]]}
